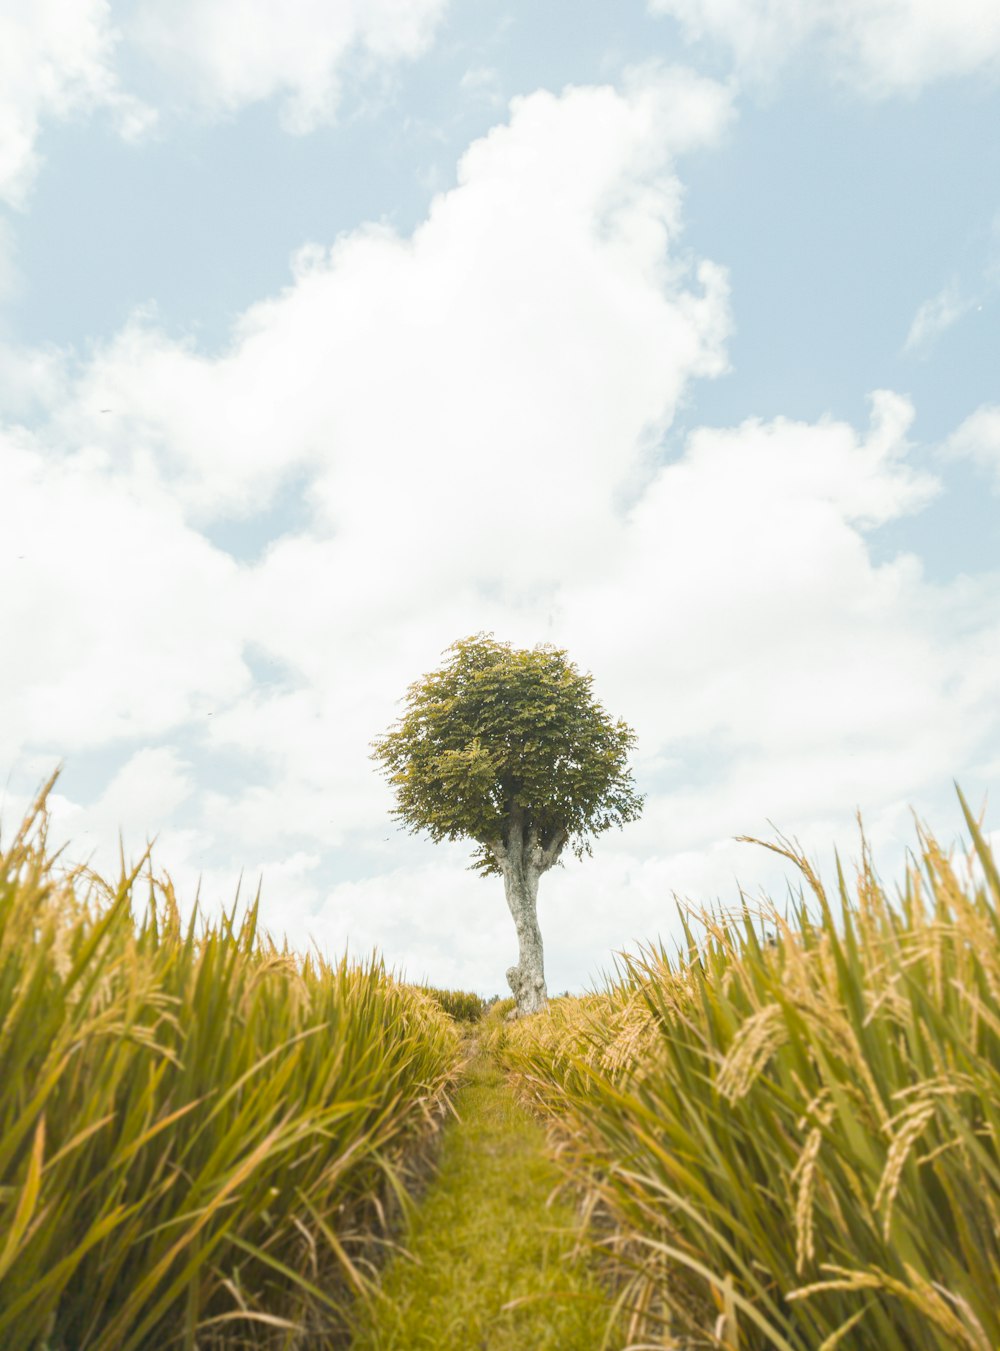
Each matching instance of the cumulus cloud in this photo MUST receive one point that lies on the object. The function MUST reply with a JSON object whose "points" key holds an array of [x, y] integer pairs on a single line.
{"points": [[230, 53], [477, 415], [770, 667], [978, 440], [884, 47], [539, 314], [150, 786], [59, 59], [33, 381], [56, 60], [536, 331], [470, 409], [439, 393], [129, 622]]}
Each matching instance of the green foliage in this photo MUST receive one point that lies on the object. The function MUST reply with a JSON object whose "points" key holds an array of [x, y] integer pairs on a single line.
{"points": [[197, 1128], [502, 737], [797, 1142], [462, 1005]]}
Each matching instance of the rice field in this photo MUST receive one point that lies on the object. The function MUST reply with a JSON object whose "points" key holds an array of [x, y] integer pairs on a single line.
{"points": [[202, 1134], [787, 1133], [782, 1136]]}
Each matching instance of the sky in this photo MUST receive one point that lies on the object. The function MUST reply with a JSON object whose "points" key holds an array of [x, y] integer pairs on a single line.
{"points": [[665, 331]]}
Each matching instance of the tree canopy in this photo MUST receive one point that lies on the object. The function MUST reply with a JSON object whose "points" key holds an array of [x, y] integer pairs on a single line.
{"points": [[502, 739]]}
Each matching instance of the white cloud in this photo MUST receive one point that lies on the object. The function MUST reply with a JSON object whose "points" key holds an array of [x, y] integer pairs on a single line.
{"points": [[741, 617], [56, 60], [32, 380], [746, 558], [535, 332], [884, 47], [477, 413], [935, 316], [978, 440], [129, 621], [151, 786], [230, 53], [538, 313]]}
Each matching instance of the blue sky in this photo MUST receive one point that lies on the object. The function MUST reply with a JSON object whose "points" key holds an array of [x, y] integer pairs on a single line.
{"points": [[664, 331]]}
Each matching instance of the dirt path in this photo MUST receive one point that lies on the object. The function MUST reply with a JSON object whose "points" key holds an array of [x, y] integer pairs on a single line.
{"points": [[484, 1236]]}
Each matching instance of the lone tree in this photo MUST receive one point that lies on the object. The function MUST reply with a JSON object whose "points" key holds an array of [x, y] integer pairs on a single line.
{"points": [[509, 748]]}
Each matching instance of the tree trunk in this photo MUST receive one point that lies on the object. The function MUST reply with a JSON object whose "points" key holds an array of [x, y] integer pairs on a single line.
{"points": [[527, 979], [522, 858]]}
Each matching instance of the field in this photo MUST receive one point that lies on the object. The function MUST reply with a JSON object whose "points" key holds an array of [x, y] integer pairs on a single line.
{"points": [[201, 1134], [785, 1135], [788, 1134]]}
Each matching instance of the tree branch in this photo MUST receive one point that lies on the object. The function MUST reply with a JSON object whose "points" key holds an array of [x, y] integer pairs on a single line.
{"points": [[550, 854]]}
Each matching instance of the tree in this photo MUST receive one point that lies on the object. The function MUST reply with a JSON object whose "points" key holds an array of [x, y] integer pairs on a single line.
{"points": [[509, 748]]}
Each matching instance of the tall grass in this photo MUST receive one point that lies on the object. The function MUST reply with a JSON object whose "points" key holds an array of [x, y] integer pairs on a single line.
{"points": [[793, 1140], [465, 1006], [198, 1129]]}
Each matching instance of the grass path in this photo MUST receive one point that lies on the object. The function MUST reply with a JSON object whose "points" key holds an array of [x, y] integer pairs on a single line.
{"points": [[484, 1236]]}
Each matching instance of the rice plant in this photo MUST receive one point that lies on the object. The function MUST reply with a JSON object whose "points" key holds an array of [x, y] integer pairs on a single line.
{"points": [[199, 1130], [790, 1131], [465, 1006]]}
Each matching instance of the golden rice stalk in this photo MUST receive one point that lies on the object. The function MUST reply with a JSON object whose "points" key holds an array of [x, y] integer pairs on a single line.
{"points": [[803, 1180], [756, 1041]]}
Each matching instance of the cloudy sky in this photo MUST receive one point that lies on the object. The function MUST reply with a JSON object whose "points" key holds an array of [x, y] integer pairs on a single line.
{"points": [[335, 330]]}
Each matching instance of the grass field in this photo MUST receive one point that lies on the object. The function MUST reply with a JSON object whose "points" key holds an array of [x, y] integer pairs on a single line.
{"points": [[790, 1131], [785, 1136], [200, 1132], [491, 1254]]}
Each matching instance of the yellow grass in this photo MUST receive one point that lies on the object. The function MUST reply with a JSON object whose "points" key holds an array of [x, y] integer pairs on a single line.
{"points": [[200, 1131], [794, 1143]]}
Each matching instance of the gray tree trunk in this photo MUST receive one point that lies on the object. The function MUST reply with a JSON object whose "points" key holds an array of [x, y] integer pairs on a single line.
{"points": [[527, 979], [522, 860]]}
